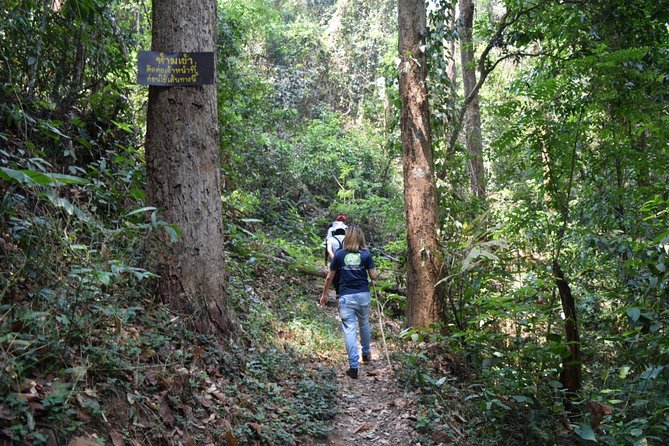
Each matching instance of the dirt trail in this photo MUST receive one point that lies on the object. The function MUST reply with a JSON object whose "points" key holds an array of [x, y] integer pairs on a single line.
{"points": [[373, 409]]}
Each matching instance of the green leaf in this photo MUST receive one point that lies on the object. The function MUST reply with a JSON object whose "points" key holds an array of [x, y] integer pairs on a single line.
{"points": [[634, 314], [59, 178], [522, 399], [636, 432], [29, 177], [138, 194], [585, 432], [553, 337], [17, 176], [416, 337], [70, 208], [104, 277], [125, 126], [173, 232], [140, 210]]}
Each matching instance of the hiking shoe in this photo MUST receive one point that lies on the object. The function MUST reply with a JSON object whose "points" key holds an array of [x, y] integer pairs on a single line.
{"points": [[366, 358], [353, 373]]}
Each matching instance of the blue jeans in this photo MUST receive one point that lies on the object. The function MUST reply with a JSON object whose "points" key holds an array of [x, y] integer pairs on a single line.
{"points": [[355, 308]]}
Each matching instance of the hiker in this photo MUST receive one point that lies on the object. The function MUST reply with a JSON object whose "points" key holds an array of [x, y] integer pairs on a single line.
{"points": [[335, 237], [354, 262], [334, 241]]}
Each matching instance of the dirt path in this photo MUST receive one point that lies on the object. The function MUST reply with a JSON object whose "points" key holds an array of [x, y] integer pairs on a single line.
{"points": [[373, 409]]}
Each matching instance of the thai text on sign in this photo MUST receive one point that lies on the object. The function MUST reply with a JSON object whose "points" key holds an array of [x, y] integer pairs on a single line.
{"points": [[175, 69]]}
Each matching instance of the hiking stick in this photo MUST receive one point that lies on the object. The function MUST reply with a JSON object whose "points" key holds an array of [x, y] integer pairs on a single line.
{"points": [[383, 336]]}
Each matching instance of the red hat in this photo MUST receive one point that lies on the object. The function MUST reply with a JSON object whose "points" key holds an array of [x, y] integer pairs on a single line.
{"points": [[340, 217]]}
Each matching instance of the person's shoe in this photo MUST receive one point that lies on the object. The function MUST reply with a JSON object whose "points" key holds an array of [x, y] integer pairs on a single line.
{"points": [[353, 373], [366, 358]]}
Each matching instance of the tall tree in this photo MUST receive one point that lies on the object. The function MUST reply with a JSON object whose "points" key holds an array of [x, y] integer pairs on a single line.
{"points": [[183, 167], [473, 141], [420, 194]]}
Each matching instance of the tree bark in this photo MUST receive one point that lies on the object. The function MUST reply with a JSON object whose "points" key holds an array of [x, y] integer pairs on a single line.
{"points": [[473, 139], [570, 377], [452, 74], [38, 51], [183, 167], [420, 194]]}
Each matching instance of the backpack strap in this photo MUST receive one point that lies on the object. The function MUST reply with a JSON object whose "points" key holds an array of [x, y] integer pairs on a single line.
{"points": [[341, 245]]}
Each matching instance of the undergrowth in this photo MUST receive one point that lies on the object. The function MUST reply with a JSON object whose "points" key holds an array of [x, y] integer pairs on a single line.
{"points": [[87, 352]]}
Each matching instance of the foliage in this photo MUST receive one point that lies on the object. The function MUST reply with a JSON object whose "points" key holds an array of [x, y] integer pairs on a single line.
{"points": [[575, 140], [575, 133]]}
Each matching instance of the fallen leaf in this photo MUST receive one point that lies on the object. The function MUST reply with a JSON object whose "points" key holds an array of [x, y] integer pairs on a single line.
{"points": [[79, 441], [6, 413], [211, 418], [51, 438], [232, 441], [83, 415], [35, 406], [151, 378], [598, 411], [197, 352], [188, 440], [165, 412], [441, 437], [205, 402], [220, 396], [363, 427], [257, 427], [117, 438]]}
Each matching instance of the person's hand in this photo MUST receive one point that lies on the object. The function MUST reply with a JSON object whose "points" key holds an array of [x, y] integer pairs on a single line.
{"points": [[324, 299]]}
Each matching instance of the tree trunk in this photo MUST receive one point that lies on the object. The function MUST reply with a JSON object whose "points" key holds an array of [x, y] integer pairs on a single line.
{"points": [[570, 377], [420, 194], [34, 69], [473, 140], [452, 74], [183, 167]]}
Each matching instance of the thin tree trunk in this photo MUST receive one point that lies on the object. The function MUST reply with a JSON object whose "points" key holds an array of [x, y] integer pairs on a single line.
{"points": [[570, 377], [420, 194], [473, 139], [451, 71], [38, 51], [183, 169]]}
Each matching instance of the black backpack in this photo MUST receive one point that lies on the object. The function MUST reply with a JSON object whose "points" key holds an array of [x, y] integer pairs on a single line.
{"points": [[335, 280]]}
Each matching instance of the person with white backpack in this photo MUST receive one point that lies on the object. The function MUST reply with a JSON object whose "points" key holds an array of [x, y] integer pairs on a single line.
{"points": [[334, 241], [335, 237]]}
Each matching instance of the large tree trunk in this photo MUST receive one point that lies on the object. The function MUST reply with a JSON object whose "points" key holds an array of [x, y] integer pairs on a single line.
{"points": [[182, 156], [420, 194], [473, 138]]}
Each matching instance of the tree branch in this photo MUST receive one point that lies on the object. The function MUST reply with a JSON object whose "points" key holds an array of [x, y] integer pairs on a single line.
{"points": [[485, 71]]}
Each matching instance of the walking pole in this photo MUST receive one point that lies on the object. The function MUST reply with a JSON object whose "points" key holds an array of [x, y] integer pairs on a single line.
{"points": [[383, 336]]}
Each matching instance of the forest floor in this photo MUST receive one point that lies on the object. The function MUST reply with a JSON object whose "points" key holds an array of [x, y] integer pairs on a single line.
{"points": [[374, 409]]}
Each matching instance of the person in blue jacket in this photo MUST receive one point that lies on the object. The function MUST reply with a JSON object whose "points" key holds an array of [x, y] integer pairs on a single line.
{"points": [[354, 263]]}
